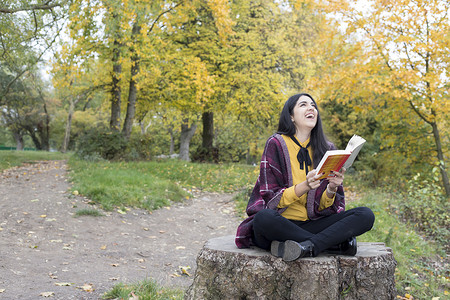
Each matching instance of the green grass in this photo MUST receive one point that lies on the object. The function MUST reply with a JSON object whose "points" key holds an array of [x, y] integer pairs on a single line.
{"points": [[88, 212], [208, 177], [10, 159], [145, 290], [154, 184], [421, 270]]}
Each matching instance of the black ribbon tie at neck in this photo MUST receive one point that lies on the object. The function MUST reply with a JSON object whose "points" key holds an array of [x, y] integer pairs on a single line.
{"points": [[303, 155]]}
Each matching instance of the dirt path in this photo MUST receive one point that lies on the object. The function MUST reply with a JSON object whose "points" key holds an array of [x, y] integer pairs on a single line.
{"points": [[43, 246]]}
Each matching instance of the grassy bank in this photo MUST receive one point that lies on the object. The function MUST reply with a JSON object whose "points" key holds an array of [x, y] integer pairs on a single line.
{"points": [[154, 184], [10, 159], [421, 272]]}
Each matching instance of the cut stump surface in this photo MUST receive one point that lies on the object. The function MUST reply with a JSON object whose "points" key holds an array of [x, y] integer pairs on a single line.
{"points": [[226, 272]]}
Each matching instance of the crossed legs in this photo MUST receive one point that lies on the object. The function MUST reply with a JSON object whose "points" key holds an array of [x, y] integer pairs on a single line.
{"points": [[269, 225]]}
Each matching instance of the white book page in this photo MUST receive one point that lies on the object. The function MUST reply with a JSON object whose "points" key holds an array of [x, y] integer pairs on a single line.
{"points": [[354, 146]]}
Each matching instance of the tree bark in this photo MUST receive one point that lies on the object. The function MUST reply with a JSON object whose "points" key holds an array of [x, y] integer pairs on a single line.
{"points": [[18, 137], [208, 133], [226, 272], [45, 134], [132, 95], [440, 156], [34, 138], [185, 138], [66, 141], [116, 91], [172, 141]]}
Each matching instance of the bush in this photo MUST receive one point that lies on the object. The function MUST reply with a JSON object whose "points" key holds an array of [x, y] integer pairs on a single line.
{"points": [[427, 207], [101, 143], [139, 147]]}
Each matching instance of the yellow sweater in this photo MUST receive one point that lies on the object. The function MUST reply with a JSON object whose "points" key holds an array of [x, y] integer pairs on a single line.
{"points": [[296, 206]]}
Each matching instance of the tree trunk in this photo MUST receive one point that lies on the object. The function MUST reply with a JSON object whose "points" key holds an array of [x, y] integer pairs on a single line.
{"points": [[46, 130], [66, 141], [226, 272], [440, 156], [35, 139], [207, 136], [116, 91], [172, 141], [18, 137], [185, 138], [132, 95]]}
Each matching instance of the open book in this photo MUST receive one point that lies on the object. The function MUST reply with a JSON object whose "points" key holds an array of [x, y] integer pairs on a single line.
{"points": [[334, 160]]}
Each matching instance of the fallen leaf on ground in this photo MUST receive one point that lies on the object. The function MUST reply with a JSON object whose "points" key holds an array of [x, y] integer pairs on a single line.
{"points": [[50, 220], [121, 212], [162, 231], [55, 241], [184, 270], [47, 294], [63, 283], [43, 216], [103, 247], [180, 247], [87, 287], [35, 200], [2, 290]]}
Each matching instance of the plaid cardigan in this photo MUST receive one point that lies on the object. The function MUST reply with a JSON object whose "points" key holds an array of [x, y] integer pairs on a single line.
{"points": [[274, 177]]}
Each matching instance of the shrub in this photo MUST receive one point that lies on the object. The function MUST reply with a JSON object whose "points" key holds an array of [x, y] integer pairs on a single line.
{"points": [[427, 207], [101, 142], [139, 147]]}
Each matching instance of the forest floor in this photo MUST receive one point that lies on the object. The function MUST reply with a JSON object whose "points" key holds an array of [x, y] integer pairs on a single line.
{"points": [[47, 251]]}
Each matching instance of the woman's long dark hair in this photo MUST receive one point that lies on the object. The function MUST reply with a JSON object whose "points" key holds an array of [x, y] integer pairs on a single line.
{"points": [[318, 140]]}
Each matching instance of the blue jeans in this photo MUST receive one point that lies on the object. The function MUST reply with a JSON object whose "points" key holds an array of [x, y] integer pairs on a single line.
{"points": [[269, 225]]}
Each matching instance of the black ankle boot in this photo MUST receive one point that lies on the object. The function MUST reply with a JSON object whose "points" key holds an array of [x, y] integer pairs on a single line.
{"points": [[291, 250], [349, 247]]}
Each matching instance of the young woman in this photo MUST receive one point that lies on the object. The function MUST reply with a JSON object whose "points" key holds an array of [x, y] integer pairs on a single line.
{"points": [[292, 212]]}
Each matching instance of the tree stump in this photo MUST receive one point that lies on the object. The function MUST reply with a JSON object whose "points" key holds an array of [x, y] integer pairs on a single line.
{"points": [[226, 272]]}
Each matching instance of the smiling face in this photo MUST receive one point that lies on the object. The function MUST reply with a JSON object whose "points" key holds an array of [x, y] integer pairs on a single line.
{"points": [[304, 114]]}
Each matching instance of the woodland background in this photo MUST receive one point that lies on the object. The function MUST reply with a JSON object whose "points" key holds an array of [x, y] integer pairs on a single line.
{"points": [[134, 80]]}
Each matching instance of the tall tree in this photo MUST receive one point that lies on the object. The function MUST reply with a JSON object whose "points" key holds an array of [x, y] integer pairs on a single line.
{"points": [[26, 111], [405, 61], [28, 31]]}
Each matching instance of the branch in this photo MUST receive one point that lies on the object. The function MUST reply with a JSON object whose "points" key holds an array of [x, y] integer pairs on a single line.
{"points": [[163, 13], [8, 86], [379, 48], [418, 112], [43, 6]]}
